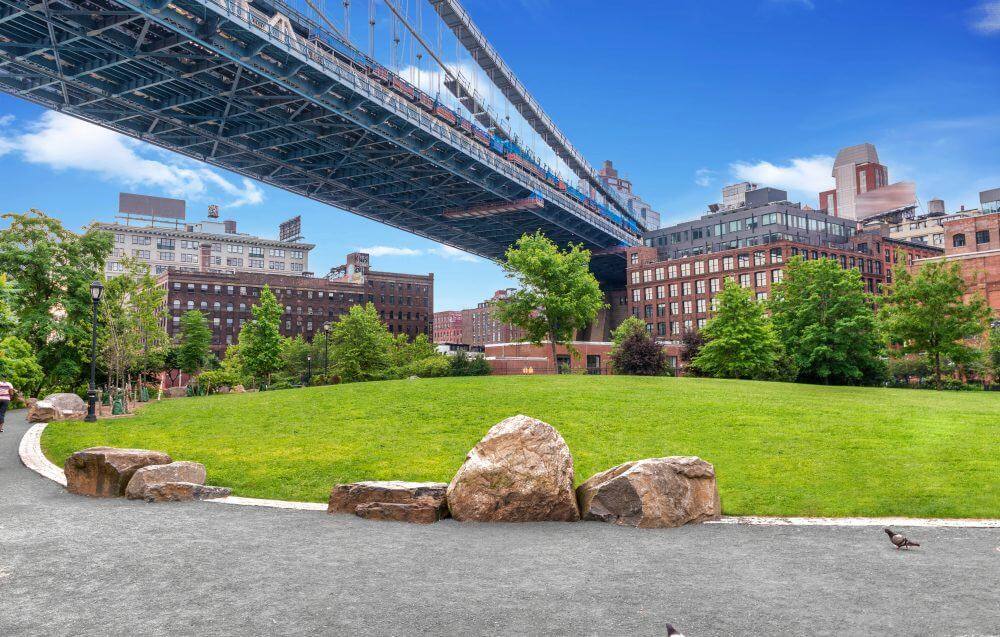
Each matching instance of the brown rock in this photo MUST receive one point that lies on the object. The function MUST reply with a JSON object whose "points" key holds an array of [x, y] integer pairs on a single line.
{"points": [[239, 389], [345, 498], [393, 512], [652, 493], [182, 492], [174, 472], [105, 471], [521, 471], [68, 406], [41, 411], [175, 392]]}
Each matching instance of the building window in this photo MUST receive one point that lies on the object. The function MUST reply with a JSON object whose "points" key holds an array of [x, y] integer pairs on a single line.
{"points": [[727, 263], [659, 274], [744, 280], [699, 267], [686, 288], [699, 286], [672, 271], [982, 236], [685, 269], [661, 292], [701, 305], [713, 265], [714, 285], [758, 257], [647, 276], [673, 290], [777, 276], [635, 277], [744, 261]]}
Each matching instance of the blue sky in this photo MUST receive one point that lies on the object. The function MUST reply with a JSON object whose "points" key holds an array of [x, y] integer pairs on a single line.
{"points": [[684, 96]]}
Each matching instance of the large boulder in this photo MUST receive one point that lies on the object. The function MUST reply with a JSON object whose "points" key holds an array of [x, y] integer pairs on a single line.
{"points": [[521, 471], [346, 498], [105, 472], [175, 392], [393, 512], [652, 493], [41, 411], [69, 406], [183, 471], [182, 492]]}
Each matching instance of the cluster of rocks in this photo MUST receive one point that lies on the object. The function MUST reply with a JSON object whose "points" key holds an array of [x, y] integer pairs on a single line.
{"points": [[137, 474], [522, 471], [56, 407]]}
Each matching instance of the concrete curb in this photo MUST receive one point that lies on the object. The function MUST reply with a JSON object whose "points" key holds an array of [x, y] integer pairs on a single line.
{"points": [[31, 454]]}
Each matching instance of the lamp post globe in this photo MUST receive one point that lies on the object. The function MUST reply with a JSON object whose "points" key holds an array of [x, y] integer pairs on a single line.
{"points": [[96, 290]]}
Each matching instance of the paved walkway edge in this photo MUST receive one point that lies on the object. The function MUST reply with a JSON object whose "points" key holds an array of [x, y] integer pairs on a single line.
{"points": [[31, 454]]}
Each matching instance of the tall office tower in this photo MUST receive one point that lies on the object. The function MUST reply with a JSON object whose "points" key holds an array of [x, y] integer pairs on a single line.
{"points": [[855, 171]]}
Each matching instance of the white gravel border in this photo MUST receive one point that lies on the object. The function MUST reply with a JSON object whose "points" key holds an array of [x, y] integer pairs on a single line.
{"points": [[31, 454]]}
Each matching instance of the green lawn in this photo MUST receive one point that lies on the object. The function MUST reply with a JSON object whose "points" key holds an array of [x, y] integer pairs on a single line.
{"points": [[778, 449]]}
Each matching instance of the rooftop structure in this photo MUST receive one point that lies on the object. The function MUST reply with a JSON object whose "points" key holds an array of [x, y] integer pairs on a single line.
{"points": [[856, 170]]}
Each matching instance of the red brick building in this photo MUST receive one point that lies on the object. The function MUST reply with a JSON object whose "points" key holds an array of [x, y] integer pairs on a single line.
{"points": [[476, 326], [525, 358], [448, 327], [676, 295], [404, 301], [974, 243]]}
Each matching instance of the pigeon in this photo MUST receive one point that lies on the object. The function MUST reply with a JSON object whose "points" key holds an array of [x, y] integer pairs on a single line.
{"points": [[898, 540], [673, 632]]}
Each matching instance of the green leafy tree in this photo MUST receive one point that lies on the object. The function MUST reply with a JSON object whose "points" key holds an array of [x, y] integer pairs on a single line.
{"points": [[558, 294], [295, 353], [991, 354], [628, 327], [261, 342], [926, 313], [639, 355], [18, 365], [739, 340], [195, 347], [826, 323], [8, 319], [361, 345], [131, 334], [406, 351], [52, 269]]}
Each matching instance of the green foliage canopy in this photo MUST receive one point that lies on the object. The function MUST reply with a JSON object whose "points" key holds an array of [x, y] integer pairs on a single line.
{"points": [[739, 340]]}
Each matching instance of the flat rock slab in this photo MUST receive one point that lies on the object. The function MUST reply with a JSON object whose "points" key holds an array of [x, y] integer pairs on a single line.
{"points": [[392, 512], [182, 471], [105, 472], [521, 471], [652, 493], [346, 498], [183, 492]]}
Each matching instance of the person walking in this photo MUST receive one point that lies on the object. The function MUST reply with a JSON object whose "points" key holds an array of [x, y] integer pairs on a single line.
{"points": [[6, 395]]}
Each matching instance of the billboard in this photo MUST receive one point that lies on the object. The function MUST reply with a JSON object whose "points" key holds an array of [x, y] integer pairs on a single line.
{"points": [[290, 230], [147, 206], [895, 196]]}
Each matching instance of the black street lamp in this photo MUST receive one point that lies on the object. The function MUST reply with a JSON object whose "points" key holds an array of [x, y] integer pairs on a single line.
{"points": [[326, 350], [96, 289], [309, 374]]}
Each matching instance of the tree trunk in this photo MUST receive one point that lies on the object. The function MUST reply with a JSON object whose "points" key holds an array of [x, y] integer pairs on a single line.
{"points": [[937, 370], [552, 344]]}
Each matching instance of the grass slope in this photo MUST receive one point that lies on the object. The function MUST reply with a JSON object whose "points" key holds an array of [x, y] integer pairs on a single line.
{"points": [[779, 449]]}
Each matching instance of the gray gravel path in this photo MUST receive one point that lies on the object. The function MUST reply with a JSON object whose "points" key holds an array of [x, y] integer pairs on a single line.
{"points": [[72, 565]]}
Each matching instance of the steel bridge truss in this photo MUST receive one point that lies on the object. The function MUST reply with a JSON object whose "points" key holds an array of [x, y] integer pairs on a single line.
{"points": [[252, 94]]}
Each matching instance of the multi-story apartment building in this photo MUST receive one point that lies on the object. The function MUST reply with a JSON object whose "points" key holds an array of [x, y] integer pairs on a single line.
{"points": [[856, 170], [404, 301], [974, 243], [765, 217], [640, 209], [927, 229], [476, 326], [155, 231], [678, 294], [448, 327]]}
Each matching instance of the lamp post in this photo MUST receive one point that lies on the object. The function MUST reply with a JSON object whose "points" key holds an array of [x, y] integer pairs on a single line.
{"points": [[96, 289], [326, 350], [309, 374]]}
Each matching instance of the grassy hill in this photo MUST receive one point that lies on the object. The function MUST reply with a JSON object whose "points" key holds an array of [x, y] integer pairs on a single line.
{"points": [[778, 449]]}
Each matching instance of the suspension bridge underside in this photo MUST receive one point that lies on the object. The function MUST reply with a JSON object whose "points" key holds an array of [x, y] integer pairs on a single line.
{"points": [[202, 78]]}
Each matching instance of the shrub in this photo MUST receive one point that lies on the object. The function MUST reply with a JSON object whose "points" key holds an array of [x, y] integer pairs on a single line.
{"points": [[211, 381], [431, 367], [639, 355]]}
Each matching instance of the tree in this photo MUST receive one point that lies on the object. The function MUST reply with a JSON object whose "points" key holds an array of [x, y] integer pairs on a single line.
{"points": [[195, 347], [991, 354], [361, 344], [739, 340], [52, 269], [558, 294], [692, 341], [926, 313], [18, 365], [639, 355], [131, 334], [405, 351], [8, 319], [826, 324], [295, 354], [260, 339], [628, 327]]}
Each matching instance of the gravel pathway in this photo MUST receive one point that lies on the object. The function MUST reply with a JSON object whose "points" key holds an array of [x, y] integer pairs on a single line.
{"points": [[73, 565]]}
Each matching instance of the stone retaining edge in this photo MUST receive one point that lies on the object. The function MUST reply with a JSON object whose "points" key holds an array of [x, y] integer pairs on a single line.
{"points": [[30, 451]]}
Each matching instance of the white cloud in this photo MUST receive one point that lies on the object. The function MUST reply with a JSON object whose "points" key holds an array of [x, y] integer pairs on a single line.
{"points": [[443, 251], [66, 143], [454, 254], [987, 18], [703, 177], [6, 120], [391, 251], [801, 175]]}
